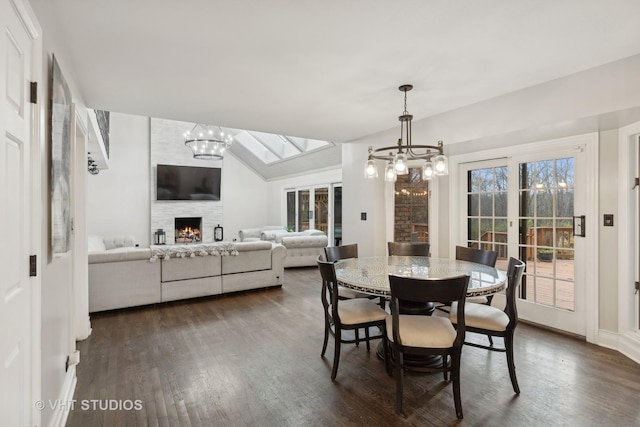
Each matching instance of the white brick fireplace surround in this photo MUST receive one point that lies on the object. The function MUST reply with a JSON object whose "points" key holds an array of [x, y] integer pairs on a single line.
{"points": [[166, 148]]}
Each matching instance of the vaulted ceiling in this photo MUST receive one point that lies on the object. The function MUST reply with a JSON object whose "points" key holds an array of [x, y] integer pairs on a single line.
{"points": [[327, 70]]}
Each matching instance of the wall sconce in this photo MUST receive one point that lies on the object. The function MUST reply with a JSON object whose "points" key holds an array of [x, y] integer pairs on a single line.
{"points": [[92, 166]]}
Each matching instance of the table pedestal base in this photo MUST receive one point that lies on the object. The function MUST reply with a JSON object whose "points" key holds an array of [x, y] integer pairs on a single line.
{"points": [[413, 360]]}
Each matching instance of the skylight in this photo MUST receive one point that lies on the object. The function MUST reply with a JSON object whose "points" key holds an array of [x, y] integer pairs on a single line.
{"points": [[272, 148]]}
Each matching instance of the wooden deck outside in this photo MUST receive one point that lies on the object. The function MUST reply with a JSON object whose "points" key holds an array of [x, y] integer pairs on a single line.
{"points": [[539, 283]]}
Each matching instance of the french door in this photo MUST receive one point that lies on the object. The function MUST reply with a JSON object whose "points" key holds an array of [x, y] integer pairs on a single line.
{"points": [[318, 207], [529, 206]]}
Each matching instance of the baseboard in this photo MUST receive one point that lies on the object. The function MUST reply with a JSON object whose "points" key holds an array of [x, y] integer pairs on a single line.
{"points": [[608, 339], [85, 330], [627, 344], [61, 413], [630, 345]]}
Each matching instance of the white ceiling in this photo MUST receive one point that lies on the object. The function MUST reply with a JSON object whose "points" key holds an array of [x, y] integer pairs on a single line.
{"points": [[325, 69]]}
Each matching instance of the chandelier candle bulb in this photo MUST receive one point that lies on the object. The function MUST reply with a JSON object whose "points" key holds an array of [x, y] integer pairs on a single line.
{"points": [[435, 163], [390, 172], [427, 171], [210, 147], [370, 169]]}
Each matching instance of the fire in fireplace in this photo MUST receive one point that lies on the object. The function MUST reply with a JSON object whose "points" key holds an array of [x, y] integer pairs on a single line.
{"points": [[187, 230]]}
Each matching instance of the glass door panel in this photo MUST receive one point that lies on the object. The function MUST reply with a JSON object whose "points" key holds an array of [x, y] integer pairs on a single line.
{"points": [[546, 209], [303, 210], [486, 190], [337, 215], [291, 210], [321, 206]]}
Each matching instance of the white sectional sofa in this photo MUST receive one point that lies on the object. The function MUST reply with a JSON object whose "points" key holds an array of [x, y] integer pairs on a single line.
{"points": [[128, 276], [303, 247]]}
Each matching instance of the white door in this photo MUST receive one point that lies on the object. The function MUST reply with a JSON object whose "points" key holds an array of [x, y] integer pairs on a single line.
{"points": [[548, 190], [15, 288], [524, 206]]}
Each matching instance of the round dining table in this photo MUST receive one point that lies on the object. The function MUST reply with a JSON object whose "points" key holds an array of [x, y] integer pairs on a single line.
{"points": [[371, 276]]}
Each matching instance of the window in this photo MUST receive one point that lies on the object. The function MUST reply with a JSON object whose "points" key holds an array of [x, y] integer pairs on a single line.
{"points": [[411, 195]]}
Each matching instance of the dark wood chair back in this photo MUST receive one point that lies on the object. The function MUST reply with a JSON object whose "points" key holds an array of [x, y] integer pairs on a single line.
{"points": [[514, 277], [409, 289], [408, 249], [329, 287], [335, 253], [480, 256]]}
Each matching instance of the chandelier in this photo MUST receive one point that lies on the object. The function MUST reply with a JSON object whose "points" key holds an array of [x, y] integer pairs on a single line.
{"points": [[435, 162], [207, 142]]}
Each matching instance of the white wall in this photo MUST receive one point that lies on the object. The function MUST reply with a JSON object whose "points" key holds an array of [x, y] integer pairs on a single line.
{"points": [[56, 300], [118, 198], [608, 236], [122, 197], [602, 98], [246, 199]]}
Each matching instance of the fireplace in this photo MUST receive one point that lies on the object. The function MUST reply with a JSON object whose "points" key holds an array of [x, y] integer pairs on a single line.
{"points": [[187, 230]]}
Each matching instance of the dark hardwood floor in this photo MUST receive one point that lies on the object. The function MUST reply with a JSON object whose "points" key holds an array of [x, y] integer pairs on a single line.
{"points": [[254, 359]]}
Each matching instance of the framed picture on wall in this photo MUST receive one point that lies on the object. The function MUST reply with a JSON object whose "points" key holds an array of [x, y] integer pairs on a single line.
{"points": [[60, 162]]}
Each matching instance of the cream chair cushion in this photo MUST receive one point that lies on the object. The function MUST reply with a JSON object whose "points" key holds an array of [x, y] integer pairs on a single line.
{"points": [[423, 331], [344, 292], [481, 316], [359, 310], [477, 300]]}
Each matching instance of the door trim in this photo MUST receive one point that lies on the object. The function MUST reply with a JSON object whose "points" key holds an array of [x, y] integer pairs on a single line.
{"points": [[628, 341], [590, 142]]}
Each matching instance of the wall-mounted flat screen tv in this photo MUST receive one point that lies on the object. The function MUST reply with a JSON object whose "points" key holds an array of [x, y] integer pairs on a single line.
{"points": [[187, 183]]}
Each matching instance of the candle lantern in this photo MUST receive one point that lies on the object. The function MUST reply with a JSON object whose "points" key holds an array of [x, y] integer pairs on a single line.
{"points": [[217, 233], [160, 237]]}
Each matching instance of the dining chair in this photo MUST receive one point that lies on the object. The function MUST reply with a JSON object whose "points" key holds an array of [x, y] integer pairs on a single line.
{"points": [[488, 320], [408, 249], [425, 335], [480, 256], [336, 253], [351, 314]]}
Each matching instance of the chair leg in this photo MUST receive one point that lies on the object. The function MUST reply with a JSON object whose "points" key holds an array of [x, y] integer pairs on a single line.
{"points": [[455, 377], [357, 332], [508, 344], [399, 388], [490, 341], [444, 366], [336, 353], [327, 326], [366, 337]]}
